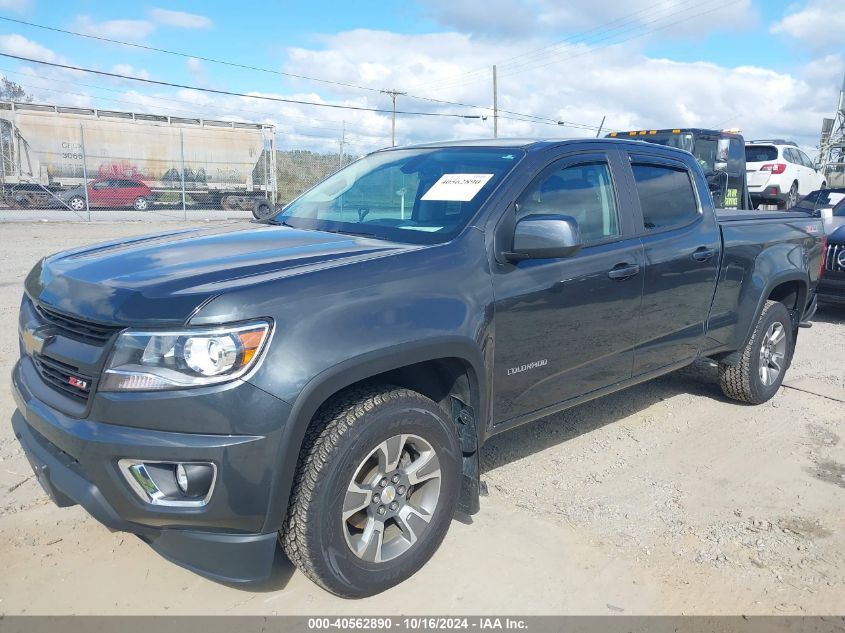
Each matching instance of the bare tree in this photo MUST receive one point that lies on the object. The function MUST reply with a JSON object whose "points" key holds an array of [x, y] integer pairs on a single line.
{"points": [[11, 91]]}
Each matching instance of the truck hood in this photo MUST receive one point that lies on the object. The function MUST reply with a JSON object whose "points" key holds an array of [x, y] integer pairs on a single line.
{"points": [[164, 278]]}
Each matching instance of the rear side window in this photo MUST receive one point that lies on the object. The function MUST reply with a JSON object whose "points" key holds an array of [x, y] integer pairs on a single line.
{"points": [[760, 153], [666, 196], [805, 160]]}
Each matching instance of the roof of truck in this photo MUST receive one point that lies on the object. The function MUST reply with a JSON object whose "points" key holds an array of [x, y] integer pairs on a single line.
{"points": [[529, 143]]}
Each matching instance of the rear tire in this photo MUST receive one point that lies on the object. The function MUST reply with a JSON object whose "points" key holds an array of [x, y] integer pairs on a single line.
{"points": [[354, 444], [791, 197], [765, 358]]}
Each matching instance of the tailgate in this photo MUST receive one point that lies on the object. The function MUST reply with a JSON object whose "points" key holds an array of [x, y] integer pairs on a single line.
{"points": [[757, 178]]}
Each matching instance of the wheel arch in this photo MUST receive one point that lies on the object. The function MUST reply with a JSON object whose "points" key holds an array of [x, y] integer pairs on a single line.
{"points": [[449, 371], [789, 288]]}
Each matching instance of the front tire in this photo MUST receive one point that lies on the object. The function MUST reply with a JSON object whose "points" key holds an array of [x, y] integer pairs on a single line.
{"points": [[765, 358], [141, 203], [77, 203], [376, 489]]}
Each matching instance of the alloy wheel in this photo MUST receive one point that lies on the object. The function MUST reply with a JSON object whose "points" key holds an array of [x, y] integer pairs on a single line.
{"points": [[772, 354], [391, 498]]}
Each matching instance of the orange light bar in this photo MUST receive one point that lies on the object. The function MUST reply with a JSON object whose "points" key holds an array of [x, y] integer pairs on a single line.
{"points": [[613, 134], [676, 131]]}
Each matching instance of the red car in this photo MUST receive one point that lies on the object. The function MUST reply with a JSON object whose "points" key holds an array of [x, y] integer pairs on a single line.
{"points": [[111, 192]]}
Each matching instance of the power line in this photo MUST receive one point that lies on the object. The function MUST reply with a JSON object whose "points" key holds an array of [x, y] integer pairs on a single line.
{"points": [[573, 39], [524, 67], [527, 117], [629, 26], [201, 112], [236, 94], [155, 49]]}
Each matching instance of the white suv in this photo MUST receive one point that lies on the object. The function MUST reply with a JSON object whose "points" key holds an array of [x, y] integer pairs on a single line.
{"points": [[779, 173]]}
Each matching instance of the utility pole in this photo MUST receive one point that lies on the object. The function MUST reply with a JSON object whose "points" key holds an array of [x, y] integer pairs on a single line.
{"points": [[393, 94], [495, 105], [342, 142], [601, 125]]}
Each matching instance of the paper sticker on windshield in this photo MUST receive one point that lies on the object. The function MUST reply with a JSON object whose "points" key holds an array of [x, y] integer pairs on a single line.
{"points": [[457, 187]]}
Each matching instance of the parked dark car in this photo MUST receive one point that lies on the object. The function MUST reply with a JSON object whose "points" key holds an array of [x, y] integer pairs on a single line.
{"points": [[817, 201], [108, 192], [832, 283], [325, 379]]}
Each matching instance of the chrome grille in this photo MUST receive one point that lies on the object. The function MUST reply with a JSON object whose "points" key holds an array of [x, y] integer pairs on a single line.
{"points": [[65, 379], [75, 328], [831, 258]]}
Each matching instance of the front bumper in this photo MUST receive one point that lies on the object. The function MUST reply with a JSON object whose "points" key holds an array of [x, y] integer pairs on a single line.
{"points": [[76, 461], [831, 290]]}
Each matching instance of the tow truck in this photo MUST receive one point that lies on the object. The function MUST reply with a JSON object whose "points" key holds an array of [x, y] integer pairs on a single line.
{"points": [[720, 153]]}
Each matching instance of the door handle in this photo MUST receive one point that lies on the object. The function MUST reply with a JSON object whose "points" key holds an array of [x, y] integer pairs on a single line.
{"points": [[623, 271], [703, 254]]}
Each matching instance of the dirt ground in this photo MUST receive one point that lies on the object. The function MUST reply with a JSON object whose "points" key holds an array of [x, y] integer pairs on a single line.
{"points": [[662, 499]]}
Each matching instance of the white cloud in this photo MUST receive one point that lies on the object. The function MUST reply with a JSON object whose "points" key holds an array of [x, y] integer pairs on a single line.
{"points": [[820, 24], [133, 30], [18, 45], [130, 71], [19, 6], [180, 19], [197, 71], [584, 84], [601, 20]]}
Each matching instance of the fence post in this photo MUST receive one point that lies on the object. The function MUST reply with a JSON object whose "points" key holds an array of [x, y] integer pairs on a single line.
{"points": [[84, 170], [182, 154], [273, 180]]}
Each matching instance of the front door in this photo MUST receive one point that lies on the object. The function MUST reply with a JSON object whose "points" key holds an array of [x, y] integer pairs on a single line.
{"points": [[565, 327]]}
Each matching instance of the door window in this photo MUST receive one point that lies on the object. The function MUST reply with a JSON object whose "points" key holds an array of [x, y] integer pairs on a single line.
{"points": [[583, 191], [805, 160], [666, 196]]}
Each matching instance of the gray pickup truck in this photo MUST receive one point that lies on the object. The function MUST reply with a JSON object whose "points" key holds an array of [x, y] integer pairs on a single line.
{"points": [[323, 381]]}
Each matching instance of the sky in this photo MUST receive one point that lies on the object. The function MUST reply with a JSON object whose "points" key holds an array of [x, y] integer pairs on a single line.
{"points": [[772, 68]]}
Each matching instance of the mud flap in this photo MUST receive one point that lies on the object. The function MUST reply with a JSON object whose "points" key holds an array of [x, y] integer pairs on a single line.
{"points": [[468, 501]]}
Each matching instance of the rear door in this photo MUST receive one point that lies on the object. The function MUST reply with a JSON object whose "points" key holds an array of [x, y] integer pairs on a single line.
{"points": [[682, 248], [565, 327], [814, 178]]}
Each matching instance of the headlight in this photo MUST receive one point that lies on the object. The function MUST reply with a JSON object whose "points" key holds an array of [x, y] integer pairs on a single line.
{"points": [[191, 357]]}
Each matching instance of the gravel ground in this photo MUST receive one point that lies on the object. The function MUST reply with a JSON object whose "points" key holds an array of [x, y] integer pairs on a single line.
{"points": [[665, 498]]}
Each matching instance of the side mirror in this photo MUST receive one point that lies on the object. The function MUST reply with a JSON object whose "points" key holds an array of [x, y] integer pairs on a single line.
{"points": [[545, 236]]}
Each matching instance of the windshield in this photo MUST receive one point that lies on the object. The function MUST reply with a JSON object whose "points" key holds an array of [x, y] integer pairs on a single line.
{"points": [[421, 196], [703, 148]]}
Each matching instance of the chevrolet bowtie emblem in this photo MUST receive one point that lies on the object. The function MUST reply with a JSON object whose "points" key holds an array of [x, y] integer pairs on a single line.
{"points": [[34, 340]]}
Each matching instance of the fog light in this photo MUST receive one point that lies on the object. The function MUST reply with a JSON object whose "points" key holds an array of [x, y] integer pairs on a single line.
{"points": [[194, 480], [182, 478], [170, 483]]}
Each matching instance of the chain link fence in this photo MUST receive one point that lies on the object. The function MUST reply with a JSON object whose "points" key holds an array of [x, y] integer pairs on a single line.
{"points": [[59, 163]]}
